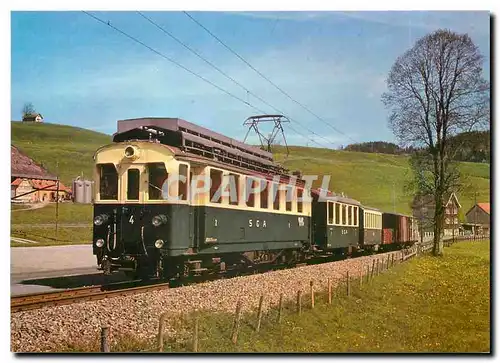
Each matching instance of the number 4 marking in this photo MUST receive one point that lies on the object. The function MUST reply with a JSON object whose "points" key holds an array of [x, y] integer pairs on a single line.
{"points": [[131, 220]]}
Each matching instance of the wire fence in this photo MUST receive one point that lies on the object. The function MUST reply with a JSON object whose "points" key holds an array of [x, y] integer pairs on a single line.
{"points": [[183, 332]]}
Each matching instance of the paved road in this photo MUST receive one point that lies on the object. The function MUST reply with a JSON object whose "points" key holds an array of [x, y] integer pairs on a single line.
{"points": [[51, 258], [36, 269]]}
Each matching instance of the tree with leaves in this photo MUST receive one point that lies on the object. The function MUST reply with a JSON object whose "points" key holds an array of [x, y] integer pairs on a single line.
{"points": [[436, 90]]}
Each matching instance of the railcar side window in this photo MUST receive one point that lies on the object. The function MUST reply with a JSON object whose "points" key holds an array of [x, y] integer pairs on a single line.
{"points": [[250, 185], [349, 215], [300, 194], [275, 193], [355, 215], [183, 185], [157, 174], [330, 212], [288, 198], [264, 190], [337, 213], [133, 184], [234, 188], [108, 182], [344, 214], [216, 179]]}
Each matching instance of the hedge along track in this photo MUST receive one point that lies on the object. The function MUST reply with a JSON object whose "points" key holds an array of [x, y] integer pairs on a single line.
{"points": [[81, 294]]}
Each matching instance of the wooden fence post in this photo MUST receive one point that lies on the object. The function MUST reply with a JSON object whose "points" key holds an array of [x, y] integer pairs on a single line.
{"points": [[237, 319], [280, 309], [373, 268], [161, 330], [105, 339], [329, 291], [392, 263], [388, 261], [259, 314], [348, 284], [299, 302], [195, 335], [312, 294]]}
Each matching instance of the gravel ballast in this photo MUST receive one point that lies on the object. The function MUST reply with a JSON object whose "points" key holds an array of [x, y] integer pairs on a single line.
{"points": [[49, 328]]}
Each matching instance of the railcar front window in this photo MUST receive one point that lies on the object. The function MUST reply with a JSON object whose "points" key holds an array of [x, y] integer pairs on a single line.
{"points": [[355, 215], [133, 184], [157, 175], [108, 182]]}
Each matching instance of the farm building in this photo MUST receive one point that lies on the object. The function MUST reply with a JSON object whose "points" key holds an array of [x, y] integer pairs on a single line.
{"points": [[32, 117], [480, 218], [31, 183], [423, 209]]}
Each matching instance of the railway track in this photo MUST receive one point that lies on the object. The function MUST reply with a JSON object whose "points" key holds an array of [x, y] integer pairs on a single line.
{"points": [[81, 294], [99, 292]]}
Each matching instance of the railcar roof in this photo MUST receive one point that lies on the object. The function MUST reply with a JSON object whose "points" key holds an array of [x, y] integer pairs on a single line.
{"points": [[398, 214], [334, 197], [371, 208]]}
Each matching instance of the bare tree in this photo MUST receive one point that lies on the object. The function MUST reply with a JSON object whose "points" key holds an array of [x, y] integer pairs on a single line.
{"points": [[436, 90], [28, 109]]}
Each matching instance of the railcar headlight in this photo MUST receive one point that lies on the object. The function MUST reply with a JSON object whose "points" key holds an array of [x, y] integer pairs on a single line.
{"points": [[100, 219], [99, 242], [159, 243], [159, 220], [131, 152]]}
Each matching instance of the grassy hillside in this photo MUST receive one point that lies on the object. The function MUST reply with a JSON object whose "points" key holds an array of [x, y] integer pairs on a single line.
{"points": [[63, 150], [374, 179]]}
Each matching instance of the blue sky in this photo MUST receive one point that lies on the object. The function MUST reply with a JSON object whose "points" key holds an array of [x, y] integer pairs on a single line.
{"points": [[79, 72]]}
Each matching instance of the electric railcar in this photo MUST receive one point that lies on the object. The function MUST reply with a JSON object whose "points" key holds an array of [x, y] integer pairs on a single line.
{"points": [[138, 228]]}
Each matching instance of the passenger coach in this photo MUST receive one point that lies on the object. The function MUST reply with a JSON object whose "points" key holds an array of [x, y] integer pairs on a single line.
{"points": [[335, 222]]}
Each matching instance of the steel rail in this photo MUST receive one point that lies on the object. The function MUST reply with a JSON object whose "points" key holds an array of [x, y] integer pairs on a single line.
{"points": [[81, 294]]}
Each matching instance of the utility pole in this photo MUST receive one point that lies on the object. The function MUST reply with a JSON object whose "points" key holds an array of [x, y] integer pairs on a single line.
{"points": [[394, 196], [57, 198], [475, 213]]}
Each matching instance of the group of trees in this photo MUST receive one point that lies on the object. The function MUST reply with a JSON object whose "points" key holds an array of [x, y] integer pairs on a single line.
{"points": [[436, 91], [473, 146], [381, 147]]}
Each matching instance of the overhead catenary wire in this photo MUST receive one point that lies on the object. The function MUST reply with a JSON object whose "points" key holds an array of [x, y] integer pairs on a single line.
{"points": [[264, 77], [182, 66], [211, 64], [172, 61]]}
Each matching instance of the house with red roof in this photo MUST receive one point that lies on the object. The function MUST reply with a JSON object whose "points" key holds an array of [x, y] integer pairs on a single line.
{"points": [[479, 215], [31, 182]]}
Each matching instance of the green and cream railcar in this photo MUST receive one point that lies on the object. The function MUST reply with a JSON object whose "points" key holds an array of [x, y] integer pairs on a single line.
{"points": [[163, 210], [335, 223], [370, 232]]}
